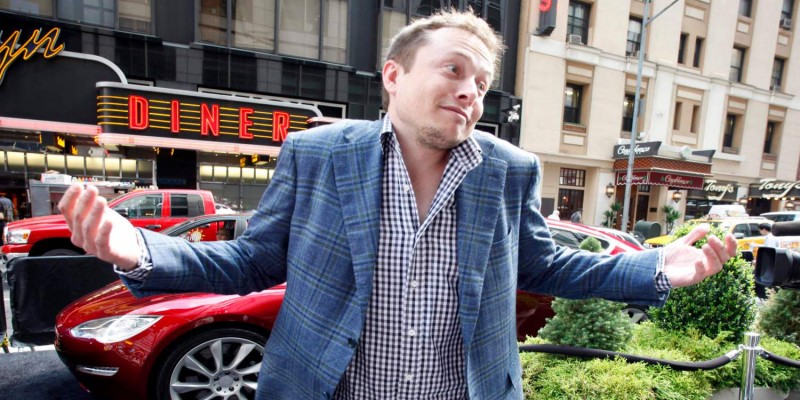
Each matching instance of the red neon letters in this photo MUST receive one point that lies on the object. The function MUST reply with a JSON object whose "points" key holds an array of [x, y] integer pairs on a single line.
{"points": [[139, 119]]}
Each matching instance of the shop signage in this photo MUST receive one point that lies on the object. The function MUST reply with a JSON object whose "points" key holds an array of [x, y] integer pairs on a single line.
{"points": [[644, 149], [11, 49], [662, 179], [774, 189], [196, 116], [717, 190]]}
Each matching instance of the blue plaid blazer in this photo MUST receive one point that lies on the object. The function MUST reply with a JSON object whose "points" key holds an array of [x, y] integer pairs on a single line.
{"points": [[316, 228]]}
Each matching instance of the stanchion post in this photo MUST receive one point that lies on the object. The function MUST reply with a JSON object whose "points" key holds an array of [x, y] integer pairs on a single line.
{"points": [[750, 351]]}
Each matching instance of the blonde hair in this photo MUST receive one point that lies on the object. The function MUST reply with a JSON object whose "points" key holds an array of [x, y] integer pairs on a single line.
{"points": [[404, 45]]}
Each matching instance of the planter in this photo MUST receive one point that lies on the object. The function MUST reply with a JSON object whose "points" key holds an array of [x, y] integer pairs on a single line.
{"points": [[759, 393]]}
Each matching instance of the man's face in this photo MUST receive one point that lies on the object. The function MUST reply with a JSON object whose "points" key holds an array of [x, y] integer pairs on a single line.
{"points": [[439, 98]]}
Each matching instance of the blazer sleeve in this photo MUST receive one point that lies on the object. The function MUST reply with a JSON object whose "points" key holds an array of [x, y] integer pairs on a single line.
{"points": [[254, 262], [547, 268]]}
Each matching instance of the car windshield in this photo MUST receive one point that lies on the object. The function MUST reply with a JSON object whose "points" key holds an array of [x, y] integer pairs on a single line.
{"points": [[573, 239]]}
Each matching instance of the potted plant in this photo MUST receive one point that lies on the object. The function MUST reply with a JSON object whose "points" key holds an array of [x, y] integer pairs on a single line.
{"points": [[671, 214]]}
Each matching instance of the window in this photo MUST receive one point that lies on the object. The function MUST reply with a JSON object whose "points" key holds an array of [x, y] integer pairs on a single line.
{"points": [[146, 206], [676, 120], [729, 135], [299, 28], [572, 177], [695, 127], [578, 20], [698, 52], [573, 95], [569, 201], [135, 15], [35, 7], [634, 35], [682, 48], [787, 10], [769, 137], [186, 205], [737, 64], [627, 112], [777, 74], [745, 8], [98, 12]]}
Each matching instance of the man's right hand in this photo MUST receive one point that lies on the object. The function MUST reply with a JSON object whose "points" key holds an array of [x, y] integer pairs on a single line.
{"points": [[98, 229]]}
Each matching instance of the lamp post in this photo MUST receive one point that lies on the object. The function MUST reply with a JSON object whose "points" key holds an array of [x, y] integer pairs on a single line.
{"points": [[636, 98]]}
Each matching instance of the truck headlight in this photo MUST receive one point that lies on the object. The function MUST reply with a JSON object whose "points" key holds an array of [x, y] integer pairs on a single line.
{"points": [[18, 236], [114, 329]]}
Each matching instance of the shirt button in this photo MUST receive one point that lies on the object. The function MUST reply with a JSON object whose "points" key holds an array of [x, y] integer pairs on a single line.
{"points": [[412, 332], [409, 377], [352, 342], [406, 188], [414, 284]]}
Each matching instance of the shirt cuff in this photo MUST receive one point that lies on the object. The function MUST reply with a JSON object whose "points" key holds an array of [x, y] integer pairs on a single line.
{"points": [[143, 267], [662, 282]]}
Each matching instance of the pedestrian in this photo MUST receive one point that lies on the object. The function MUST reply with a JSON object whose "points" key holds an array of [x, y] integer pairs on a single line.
{"points": [[576, 217], [769, 239], [402, 241], [554, 216], [6, 211]]}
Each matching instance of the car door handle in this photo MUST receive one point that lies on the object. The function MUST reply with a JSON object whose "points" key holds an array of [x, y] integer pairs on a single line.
{"points": [[152, 227]]}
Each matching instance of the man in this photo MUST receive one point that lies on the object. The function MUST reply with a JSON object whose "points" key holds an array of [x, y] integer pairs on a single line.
{"points": [[769, 239], [402, 241], [6, 211], [223, 234]]}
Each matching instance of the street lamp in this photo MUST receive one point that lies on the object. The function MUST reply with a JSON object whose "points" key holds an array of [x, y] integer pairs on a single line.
{"points": [[636, 98], [610, 190], [677, 196]]}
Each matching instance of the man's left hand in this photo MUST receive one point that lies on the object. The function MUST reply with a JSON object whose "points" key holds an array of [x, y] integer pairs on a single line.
{"points": [[686, 265]]}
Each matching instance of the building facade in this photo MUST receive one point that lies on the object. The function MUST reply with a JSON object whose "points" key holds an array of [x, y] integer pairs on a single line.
{"points": [[61, 109], [719, 104]]}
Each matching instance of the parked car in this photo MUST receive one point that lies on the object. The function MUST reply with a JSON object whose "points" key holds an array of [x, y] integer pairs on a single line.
{"points": [[196, 345], [782, 216], [154, 209], [745, 230]]}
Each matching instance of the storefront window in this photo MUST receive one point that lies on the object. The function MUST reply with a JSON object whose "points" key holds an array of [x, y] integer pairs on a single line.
{"points": [[129, 169], [75, 166], [94, 166], [112, 167], [55, 162], [36, 162]]}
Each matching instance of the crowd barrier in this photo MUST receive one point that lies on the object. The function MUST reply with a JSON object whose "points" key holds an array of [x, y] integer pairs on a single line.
{"points": [[749, 349], [40, 287]]}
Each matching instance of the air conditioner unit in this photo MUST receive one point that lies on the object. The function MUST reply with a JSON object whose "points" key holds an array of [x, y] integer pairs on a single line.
{"points": [[786, 23], [574, 39]]}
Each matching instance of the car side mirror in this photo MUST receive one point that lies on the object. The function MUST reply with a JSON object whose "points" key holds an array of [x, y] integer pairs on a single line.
{"points": [[122, 211], [738, 235]]}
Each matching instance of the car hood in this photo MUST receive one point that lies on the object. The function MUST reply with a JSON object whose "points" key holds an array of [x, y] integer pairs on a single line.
{"points": [[35, 221], [115, 299]]}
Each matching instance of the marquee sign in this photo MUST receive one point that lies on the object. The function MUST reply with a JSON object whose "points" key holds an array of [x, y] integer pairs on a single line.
{"points": [[662, 179], [11, 49], [643, 149], [775, 189], [182, 115]]}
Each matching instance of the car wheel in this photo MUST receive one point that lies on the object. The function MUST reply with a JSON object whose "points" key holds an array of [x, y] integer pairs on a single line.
{"points": [[636, 313], [60, 252], [217, 364]]}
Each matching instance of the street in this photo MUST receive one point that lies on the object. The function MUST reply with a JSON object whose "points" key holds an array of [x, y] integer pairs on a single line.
{"points": [[37, 375]]}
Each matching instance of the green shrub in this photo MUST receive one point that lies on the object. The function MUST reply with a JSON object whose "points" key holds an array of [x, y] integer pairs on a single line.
{"points": [[780, 317], [723, 302], [547, 376], [594, 323]]}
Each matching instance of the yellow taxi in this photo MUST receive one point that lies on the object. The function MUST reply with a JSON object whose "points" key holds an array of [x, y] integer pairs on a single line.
{"points": [[744, 229]]}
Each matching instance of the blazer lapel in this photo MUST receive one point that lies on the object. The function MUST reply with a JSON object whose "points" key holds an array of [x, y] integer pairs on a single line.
{"points": [[358, 166], [478, 201]]}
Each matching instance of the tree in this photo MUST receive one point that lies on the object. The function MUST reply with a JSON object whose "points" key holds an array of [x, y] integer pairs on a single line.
{"points": [[671, 214]]}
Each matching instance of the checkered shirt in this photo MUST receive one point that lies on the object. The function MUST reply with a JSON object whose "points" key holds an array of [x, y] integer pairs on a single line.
{"points": [[411, 346]]}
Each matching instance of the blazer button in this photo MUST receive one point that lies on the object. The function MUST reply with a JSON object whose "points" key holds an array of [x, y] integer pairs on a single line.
{"points": [[352, 342]]}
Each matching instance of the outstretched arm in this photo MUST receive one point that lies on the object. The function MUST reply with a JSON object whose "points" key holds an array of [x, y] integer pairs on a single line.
{"points": [[686, 265], [98, 229]]}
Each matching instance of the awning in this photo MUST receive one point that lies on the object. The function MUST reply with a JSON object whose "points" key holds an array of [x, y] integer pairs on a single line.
{"points": [[671, 179]]}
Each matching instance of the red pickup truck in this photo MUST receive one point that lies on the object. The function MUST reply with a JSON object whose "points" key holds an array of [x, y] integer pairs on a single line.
{"points": [[149, 209]]}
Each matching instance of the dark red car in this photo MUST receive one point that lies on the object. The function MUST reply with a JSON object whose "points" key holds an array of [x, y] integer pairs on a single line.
{"points": [[206, 346]]}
